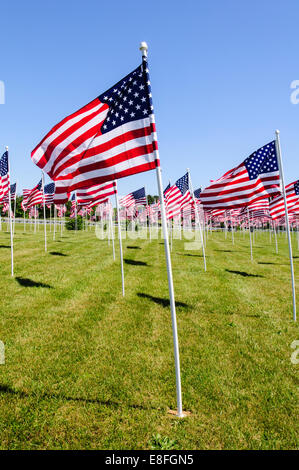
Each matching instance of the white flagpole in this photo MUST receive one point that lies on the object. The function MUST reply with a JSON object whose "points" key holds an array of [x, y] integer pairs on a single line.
{"points": [[112, 230], [61, 214], [120, 242], [278, 150], [44, 204], [55, 215], [50, 209], [232, 227], [76, 221], [148, 227], [144, 48], [14, 211], [249, 228], [10, 221], [198, 220]]}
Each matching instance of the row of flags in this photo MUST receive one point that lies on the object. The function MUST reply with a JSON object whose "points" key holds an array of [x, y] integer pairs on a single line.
{"points": [[178, 198]]}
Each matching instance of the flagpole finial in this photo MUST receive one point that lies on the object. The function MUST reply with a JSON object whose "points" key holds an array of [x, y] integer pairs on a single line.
{"points": [[143, 48], [277, 132], [6, 148]]}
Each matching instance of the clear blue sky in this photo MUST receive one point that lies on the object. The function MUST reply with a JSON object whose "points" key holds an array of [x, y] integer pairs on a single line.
{"points": [[220, 73]]}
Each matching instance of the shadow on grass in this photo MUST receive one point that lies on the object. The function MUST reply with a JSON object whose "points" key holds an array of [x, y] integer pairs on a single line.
{"points": [[190, 254], [243, 273], [4, 246], [24, 282], [135, 263], [57, 253], [134, 247], [226, 251], [161, 300], [6, 389], [265, 262]]}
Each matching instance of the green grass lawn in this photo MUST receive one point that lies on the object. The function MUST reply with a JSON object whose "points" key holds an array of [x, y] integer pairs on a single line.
{"points": [[88, 369]]}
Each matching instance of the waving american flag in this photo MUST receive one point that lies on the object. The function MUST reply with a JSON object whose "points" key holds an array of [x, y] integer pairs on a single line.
{"points": [[111, 137], [277, 208], [49, 191], [256, 178], [136, 198], [96, 194], [4, 176], [177, 197], [34, 196]]}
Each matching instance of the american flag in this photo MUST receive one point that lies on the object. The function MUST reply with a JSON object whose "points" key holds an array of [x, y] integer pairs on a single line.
{"points": [[96, 194], [277, 209], [259, 208], [61, 210], [177, 197], [33, 213], [5, 208], [13, 193], [73, 206], [167, 188], [256, 178], [26, 192], [4, 175], [35, 196], [49, 191], [136, 198], [111, 137], [197, 193]]}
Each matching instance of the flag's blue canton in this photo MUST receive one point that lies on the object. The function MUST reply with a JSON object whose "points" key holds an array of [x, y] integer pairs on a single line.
{"points": [[130, 99], [13, 188], [140, 193], [183, 183], [4, 164], [197, 193], [49, 188], [73, 197], [296, 187], [167, 188], [39, 186], [263, 160]]}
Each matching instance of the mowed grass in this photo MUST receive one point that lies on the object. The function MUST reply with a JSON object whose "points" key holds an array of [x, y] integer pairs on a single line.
{"points": [[88, 369]]}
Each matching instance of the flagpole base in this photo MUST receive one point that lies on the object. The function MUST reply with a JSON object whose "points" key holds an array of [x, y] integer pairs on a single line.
{"points": [[176, 414]]}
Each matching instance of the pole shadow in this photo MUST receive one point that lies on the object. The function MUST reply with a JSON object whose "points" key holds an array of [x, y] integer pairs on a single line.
{"points": [[226, 251], [6, 389], [190, 254], [57, 253], [243, 273], [134, 247], [135, 263], [161, 301], [264, 262], [25, 282], [4, 246]]}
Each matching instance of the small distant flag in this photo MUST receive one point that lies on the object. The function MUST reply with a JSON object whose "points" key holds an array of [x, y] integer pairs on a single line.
{"points": [[49, 191], [4, 175], [177, 197], [13, 193], [34, 196], [197, 193], [137, 198]]}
